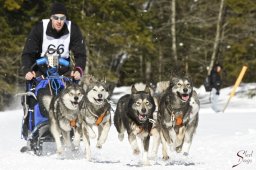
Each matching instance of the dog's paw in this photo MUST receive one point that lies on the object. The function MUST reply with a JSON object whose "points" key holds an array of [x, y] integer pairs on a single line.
{"points": [[136, 151], [59, 149], [165, 158], [75, 147], [178, 149], [146, 163], [121, 136], [99, 146], [88, 157], [25, 149], [185, 153], [60, 152], [152, 156]]}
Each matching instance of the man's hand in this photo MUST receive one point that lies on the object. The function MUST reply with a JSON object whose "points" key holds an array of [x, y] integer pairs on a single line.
{"points": [[76, 75], [30, 75]]}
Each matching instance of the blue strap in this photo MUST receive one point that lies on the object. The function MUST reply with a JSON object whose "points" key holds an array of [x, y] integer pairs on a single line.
{"points": [[54, 78]]}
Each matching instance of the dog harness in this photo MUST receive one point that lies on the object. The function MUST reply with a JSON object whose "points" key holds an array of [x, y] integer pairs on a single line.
{"points": [[99, 118], [137, 129], [178, 118]]}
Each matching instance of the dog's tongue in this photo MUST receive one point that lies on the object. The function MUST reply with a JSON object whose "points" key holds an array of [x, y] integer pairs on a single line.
{"points": [[99, 100], [185, 97], [141, 117], [75, 103]]}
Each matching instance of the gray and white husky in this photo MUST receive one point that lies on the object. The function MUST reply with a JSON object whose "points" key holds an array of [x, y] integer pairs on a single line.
{"points": [[133, 114], [95, 112], [177, 118], [64, 110]]}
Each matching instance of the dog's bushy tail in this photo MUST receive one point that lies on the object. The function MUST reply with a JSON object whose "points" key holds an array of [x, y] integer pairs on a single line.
{"points": [[117, 120], [119, 124], [120, 110]]}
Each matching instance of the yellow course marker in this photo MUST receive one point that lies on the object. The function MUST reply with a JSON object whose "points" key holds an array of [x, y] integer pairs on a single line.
{"points": [[238, 81]]}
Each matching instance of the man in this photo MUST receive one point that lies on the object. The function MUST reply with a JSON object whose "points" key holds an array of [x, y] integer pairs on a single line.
{"points": [[56, 33], [215, 78]]}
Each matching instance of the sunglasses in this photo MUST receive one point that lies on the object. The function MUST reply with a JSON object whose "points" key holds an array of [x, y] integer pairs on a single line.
{"points": [[62, 18]]}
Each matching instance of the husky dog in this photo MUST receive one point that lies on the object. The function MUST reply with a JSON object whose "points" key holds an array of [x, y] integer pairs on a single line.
{"points": [[177, 118], [95, 112], [133, 114], [63, 115]]}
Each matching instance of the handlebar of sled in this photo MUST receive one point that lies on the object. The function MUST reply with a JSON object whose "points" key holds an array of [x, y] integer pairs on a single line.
{"points": [[53, 62], [52, 76]]}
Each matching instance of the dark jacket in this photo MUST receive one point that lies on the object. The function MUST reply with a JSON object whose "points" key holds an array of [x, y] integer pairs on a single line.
{"points": [[215, 78], [33, 47]]}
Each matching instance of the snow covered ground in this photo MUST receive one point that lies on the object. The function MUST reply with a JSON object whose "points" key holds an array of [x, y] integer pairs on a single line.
{"points": [[222, 140]]}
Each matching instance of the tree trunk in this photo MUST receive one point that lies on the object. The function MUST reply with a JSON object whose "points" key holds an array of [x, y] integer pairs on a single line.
{"points": [[86, 70], [186, 64], [173, 29], [160, 63], [148, 71], [141, 68], [217, 36]]}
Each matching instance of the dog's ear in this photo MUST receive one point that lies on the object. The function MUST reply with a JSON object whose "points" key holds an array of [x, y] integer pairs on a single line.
{"points": [[83, 83], [88, 79], [173, 79], [68, 83], [134, 90], [147, 90], [189, 78], [84, 86], [104, 80]]}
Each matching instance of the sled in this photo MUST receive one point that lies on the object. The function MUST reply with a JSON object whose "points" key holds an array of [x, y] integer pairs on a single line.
{"points": [[35, 123]]}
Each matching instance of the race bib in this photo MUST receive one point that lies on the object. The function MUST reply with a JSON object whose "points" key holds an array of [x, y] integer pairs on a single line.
{"points": [[54, 46]]}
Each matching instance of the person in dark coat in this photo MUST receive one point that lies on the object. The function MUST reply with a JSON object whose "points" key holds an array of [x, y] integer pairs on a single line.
{"points": [[215, 78], [58, 34]]}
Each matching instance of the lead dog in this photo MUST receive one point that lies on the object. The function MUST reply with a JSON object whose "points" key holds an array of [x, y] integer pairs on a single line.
{"points": [[95, 112], [133, 114], [177, 118]]}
